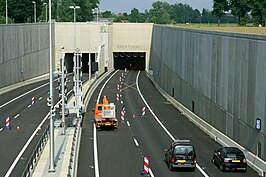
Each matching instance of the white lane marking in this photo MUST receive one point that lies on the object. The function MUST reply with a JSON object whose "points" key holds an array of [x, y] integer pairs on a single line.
{"points": [[128, 124], [157, 119], [40, 98], [16, 116], [29, 106], [136, 142], [151, 173], [23, 95], [27, 144], [25, 147], [1, 129], [96, 162]]}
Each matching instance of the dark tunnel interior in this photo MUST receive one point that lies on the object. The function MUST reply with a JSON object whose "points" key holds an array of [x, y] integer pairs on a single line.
{"points": [[85, 59], [129, 60]]}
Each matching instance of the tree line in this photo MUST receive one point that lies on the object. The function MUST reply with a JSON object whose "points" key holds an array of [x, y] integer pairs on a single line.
{"points": [[223, 11]]}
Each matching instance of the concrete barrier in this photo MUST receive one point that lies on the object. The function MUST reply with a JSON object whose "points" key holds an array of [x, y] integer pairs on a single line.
{"points": [[253, 161]]}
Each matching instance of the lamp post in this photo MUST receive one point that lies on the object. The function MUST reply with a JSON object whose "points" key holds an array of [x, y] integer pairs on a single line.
{"points": [[52, 164], [45, 11], [96, 11], [34, 3], [74, 7], [6, 13]]}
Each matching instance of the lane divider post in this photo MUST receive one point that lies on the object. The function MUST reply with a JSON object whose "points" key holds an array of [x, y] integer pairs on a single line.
{"points": [[32, 101], [146, 168], [143, 111], [8, 126]]}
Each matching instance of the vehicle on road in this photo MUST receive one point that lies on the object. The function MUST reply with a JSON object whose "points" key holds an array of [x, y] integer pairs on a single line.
{"points": [[104, 114], [181, 154], [229, 158]]}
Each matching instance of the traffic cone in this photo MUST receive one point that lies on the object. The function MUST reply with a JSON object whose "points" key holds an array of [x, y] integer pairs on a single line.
{"points": [[18, 128], [133, 116]]}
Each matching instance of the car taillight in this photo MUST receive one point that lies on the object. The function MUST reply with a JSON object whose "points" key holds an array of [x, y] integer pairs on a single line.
{"points": [[195, 161], [173, 160], [244, 161], [226, 160]]}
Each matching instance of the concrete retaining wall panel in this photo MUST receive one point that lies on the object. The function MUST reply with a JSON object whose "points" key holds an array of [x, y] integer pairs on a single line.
{"points": [[223, 73]]}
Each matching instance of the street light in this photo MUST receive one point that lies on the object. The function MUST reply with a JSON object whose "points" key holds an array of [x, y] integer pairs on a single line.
{"points": [[34, 3], [74, 7], [96, 11], [45, 11], [6, 13]]}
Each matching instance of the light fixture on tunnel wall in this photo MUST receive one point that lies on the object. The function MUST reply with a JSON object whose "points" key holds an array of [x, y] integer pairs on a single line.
{"points": [[122, 54], [128, 54], [135, 55], [141, 55], [116, 54]]}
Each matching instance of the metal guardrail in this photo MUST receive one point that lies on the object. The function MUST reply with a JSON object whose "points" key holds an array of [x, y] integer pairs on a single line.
{"points": [[32, 162]]}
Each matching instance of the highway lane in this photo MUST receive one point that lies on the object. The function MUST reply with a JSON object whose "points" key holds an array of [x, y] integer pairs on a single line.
{"points": [[118, 154], [27, 118]]}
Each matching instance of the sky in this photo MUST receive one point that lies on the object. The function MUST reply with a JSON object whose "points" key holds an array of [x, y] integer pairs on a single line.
{"points": [[122, 6]]}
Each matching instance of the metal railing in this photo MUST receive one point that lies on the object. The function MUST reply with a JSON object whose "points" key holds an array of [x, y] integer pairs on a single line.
{"points": [[32, 162]]}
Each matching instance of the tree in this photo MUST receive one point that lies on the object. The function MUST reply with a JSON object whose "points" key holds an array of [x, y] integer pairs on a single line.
{"points": [[258, 11], [240, 8], [161, 13], [219, 8], [135, 16]]}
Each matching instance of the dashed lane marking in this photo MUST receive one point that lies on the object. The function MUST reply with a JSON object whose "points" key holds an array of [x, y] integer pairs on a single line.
{"points": [[136, 142], [16, 116]]}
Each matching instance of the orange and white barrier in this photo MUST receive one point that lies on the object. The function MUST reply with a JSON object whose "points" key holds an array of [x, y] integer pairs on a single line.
{"points": [[146, 165], [32, 100], [143, 111], [123, 115], [117, 97], [8, 123]]}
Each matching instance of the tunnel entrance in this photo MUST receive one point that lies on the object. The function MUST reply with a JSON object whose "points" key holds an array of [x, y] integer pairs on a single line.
{"points": [[85, 60], [130, 60]]}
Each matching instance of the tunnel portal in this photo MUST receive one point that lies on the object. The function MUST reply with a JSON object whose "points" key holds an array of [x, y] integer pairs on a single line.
{"points": [[129, 60]]}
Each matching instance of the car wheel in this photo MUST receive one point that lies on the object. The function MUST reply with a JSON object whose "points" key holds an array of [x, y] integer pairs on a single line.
{"points": [[221, 167], [170, 166]]}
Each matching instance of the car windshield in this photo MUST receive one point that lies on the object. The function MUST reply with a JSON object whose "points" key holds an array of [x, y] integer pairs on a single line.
{"points": [[183, 150]]}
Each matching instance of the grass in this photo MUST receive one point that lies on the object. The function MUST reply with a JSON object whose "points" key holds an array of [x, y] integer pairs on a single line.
{"points": [[234, 28]]}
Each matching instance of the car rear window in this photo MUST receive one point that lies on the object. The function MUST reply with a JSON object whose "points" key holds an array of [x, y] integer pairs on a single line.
{"points": [[233, 155], [183, 150]]}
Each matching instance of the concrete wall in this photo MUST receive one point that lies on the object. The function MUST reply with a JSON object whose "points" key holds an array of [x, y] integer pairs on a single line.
{"points": [[222, 73], [24, 52]]}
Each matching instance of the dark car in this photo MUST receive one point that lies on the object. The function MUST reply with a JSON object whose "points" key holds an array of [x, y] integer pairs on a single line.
{"points": [[230, 158], [181, 154]]}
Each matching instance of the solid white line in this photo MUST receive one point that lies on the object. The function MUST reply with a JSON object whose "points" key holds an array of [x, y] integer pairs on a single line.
{"points": [[25, 147], [96, 162], [22, 95], [136, 142], [128, 124], [156, 118], [16, 116], [151, 173], [29, 106]]}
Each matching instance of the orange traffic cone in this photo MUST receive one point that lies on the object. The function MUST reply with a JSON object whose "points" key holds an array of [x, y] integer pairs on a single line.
{"points": [[18, 128]]}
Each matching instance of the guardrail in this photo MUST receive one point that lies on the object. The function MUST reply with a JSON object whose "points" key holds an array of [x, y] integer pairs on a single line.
{"points": [[254, 161], [32, 162], [73, 160]]}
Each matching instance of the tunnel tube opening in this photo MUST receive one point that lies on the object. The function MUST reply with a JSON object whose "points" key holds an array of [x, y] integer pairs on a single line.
{"points": [[129, 60], [85, 62]]}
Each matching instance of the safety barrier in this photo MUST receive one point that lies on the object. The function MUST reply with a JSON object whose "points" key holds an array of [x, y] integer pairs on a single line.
{"points": [[253, 161], [36, 153]]}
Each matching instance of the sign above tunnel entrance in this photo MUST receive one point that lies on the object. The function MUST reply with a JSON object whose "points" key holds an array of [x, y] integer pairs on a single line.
{"points": [[130, 47]]}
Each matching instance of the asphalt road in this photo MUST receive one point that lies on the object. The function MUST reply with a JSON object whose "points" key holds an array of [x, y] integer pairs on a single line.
{"points": [[120, 152], [24, 120]]}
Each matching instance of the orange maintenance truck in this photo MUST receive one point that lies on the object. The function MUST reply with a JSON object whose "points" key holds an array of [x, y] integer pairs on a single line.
{"points": [[104, 114]]}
